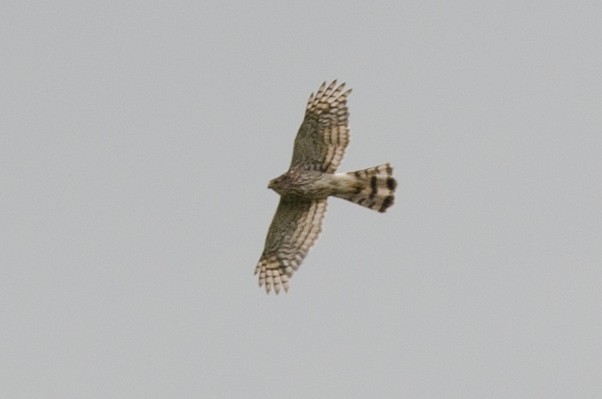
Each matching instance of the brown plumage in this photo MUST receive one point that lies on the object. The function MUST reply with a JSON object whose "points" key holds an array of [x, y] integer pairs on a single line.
{"points": [[319, 148]]}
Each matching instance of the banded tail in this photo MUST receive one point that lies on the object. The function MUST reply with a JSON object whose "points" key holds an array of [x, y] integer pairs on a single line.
{"points": [[373, 188]]}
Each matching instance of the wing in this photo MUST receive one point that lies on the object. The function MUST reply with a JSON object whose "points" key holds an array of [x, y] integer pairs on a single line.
{"points": [[324, 134], [293, 231]]}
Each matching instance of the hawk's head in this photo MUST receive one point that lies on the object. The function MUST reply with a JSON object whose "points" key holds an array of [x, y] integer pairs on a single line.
{"points": [[281, 184]]}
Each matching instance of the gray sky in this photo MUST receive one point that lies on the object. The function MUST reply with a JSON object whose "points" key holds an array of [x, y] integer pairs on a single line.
{"points": [[136, 143]]}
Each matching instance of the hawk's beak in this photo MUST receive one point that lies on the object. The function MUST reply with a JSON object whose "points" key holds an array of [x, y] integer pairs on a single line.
{"points": [[271, 184]]}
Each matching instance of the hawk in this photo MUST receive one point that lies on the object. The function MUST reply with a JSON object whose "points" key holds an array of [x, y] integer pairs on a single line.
{"points": [[319, 148]]}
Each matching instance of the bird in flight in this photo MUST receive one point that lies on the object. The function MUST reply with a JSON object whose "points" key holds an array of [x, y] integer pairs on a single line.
{"points": [[304, 189]]}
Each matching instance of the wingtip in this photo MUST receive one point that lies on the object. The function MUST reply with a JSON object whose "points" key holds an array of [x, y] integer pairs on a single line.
{"points": [[281, 285]]}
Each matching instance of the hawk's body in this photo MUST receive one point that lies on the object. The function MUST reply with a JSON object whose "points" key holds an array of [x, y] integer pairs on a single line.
{"points": [[319, 147]]}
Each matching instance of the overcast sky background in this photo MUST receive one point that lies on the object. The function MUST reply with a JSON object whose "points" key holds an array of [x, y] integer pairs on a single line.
{"points": [[136, 143]]}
